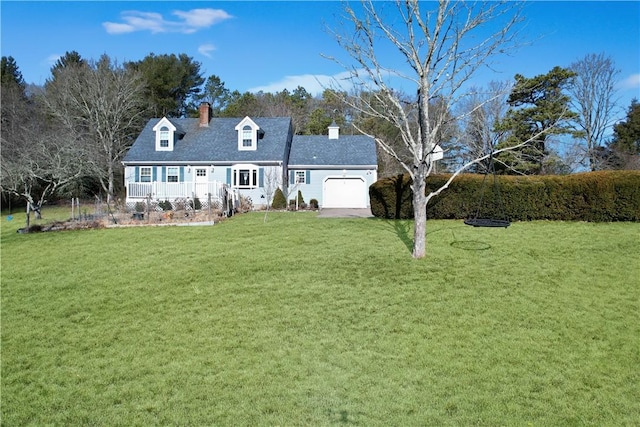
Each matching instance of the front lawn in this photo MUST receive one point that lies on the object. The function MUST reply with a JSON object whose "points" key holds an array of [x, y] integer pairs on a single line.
{"points": [[310, 321]]}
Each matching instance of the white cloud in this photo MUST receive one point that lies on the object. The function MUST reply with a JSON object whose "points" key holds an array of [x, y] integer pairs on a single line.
{"points": [[206, 49], [189, 21], [631, 82], [53, 58], [315, 84], [202, 18]]}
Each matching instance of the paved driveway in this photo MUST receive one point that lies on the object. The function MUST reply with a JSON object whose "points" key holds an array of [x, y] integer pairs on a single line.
{"points": [[345, 213]]}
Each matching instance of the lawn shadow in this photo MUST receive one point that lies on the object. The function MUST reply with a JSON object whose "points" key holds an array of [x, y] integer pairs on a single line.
{"points": [[467, 245], [403, 229]]}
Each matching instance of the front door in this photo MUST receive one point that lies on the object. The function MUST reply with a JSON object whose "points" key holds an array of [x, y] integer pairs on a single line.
{"points": [[202, 184]]}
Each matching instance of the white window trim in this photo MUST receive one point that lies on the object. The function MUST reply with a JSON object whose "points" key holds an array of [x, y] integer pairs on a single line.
{"points": [[150, 174], [176, 174], [164, 122], [254, 176], [254, 134]]}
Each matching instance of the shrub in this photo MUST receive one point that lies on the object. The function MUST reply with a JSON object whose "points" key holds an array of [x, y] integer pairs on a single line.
{"points": [[246, 204], [279, 201], [165, 205], [313, 204], [141, 206], [195, 204], [592, 196], [181, 204], [300, 198]]}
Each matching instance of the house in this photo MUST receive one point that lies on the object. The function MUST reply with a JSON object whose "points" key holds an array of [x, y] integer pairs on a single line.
{"points": [[336, 170], [219, 159]]}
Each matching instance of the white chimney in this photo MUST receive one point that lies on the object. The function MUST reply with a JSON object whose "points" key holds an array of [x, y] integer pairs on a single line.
{"points": [[334, 131]]}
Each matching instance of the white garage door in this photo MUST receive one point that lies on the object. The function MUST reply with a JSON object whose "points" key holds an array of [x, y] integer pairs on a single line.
{"points": [[345, 192]]}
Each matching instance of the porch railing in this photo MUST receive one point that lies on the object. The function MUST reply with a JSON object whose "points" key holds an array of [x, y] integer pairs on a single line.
{"points": [[175, 190]]}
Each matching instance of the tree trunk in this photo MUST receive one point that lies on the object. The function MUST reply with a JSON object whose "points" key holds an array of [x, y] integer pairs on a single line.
{"points": [[110, 182], [420, 216], [28, 219]]}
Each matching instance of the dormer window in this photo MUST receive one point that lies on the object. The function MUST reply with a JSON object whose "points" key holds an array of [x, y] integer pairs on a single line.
{"points": [[165, 135], [248, 132], [247, 139]]}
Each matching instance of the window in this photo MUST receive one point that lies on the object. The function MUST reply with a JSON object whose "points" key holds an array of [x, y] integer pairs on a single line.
{"points": [[245, 176], [247, 131], [300, 177], [165, 133], [164, 137], [247, 139], [145, 174], [201, 172], [172, 174]]}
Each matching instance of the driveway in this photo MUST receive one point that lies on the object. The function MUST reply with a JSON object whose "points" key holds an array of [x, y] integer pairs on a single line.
{"points": [[345, 213]]}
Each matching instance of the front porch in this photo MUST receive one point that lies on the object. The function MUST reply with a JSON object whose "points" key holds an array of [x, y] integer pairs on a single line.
{"points": [[217, 194]]}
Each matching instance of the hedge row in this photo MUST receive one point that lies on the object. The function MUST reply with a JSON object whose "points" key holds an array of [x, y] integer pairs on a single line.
{"points": [[593, 196]]}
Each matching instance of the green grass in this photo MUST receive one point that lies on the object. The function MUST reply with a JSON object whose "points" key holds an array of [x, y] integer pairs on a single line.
{"points": [[310, 321]]}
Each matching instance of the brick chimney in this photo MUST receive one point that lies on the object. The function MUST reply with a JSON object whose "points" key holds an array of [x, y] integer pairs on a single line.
{"points": [[205, 114]]}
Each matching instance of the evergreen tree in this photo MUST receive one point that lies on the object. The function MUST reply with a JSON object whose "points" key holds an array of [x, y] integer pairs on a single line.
{"points": [[10, 74], [626, 134], [538, 108], [173, 83], [69, 59], [623, 151], [215, 94]]}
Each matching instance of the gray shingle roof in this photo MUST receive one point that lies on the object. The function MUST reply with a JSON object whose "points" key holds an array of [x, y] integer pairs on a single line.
{"points": [[216, 143], [319, 150]]}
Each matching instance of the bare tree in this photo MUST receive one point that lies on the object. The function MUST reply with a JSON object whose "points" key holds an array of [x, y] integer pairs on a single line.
{"points": [[101, 104], [480, 112], [271, 183], [37, 160], [593, 96], [443, 48]]}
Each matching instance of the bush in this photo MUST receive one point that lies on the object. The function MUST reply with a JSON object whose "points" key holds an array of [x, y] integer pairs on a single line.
{"points": [[141, 206], [246, 204], [195, 204], [279, 201], [300, 199], [165, 205], [313, 204], [592, 196]]}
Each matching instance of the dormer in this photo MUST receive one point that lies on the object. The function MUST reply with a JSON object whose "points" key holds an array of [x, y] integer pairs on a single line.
{"points": [[248, 134], [165, 135]]}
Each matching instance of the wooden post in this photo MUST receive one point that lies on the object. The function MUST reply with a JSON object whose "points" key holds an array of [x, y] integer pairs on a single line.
{"points": [[148, 207]]}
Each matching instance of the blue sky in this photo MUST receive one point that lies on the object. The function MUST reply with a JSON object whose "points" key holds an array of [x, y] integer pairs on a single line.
{"points": [[264, 45]]}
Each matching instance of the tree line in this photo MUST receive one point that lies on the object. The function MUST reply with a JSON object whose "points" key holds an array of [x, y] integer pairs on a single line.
{"points": [[68, 136]]}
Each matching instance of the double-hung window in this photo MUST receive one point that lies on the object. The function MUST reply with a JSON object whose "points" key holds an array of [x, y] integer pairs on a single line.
{"points": [[301, 177], [145, 174], [164, 137], [172, 174], [247, 138]]}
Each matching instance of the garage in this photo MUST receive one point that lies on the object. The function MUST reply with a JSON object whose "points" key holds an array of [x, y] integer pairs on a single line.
{"points": [[344, 192]]}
